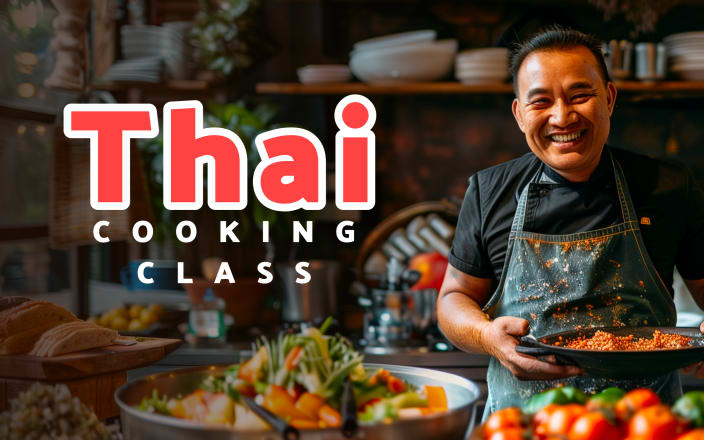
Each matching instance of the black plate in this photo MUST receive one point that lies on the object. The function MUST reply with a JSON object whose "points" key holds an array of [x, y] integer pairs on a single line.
{"points": [[619, 364]]}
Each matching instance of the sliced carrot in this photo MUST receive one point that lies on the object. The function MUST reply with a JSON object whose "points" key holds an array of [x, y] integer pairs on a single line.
{"points": [[436, 396], [293, 357], [330, 416]]}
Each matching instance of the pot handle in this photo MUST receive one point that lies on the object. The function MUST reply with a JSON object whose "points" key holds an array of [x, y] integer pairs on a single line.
{"points": [[530, 347]]}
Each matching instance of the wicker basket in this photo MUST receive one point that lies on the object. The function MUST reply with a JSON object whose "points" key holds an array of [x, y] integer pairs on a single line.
{"points": [[71, 216], [383, 230]]}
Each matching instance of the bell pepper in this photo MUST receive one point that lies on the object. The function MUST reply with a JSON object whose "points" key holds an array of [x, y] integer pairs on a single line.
{"points": [[309, 404], [691, 407], [280, 402], [250, 370], [541, 400], [303, 423], [436, 396], [395, 385], [605, 399], [330, 416]]}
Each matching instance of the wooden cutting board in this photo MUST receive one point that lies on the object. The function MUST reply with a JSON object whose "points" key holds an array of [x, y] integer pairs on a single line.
{"points": [[98, 361]]}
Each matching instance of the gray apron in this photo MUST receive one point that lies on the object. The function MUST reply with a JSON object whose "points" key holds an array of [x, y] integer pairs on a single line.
{"points": [[597, 278]]}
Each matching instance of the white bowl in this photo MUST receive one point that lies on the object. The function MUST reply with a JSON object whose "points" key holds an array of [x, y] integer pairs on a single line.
{"points": [[423, 36], [481, 64], [484, 52], [412, 62]]}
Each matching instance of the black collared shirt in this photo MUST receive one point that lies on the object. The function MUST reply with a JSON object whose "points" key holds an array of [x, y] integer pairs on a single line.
{"points": [[667, 199]]}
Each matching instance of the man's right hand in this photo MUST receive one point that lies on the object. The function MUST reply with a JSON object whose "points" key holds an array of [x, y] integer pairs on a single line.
{"points": [[499, 339]]}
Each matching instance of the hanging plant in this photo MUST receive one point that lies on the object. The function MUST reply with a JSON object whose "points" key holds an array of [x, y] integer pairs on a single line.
{"points": [[643, 14], [228, 36]]}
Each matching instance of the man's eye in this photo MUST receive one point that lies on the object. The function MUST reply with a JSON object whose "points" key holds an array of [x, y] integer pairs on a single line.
{"points": [[581, 97], [539, 101]]}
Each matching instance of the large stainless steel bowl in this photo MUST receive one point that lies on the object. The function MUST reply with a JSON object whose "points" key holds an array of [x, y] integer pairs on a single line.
{"points": [[141, 425]]}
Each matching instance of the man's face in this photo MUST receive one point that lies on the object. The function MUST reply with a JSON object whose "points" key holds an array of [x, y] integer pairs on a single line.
{"points": [[563, 108]]}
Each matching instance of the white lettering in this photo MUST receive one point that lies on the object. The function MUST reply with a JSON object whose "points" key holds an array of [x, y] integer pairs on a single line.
{"points": [[193, 231], [181, 277], [96, 231], [228, 231], [299, 231], [224, 273], [263, 269], [304, 275], [135, 231], [345, 235], [140, 272]]}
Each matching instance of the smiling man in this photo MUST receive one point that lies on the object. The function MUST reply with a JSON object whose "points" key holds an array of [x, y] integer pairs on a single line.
{"points": [[574, 234]]}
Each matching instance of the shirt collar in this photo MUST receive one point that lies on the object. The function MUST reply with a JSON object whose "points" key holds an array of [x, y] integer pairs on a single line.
{"points": [[600, 174]]}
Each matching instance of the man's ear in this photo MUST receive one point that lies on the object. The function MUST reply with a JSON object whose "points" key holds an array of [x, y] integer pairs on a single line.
{"points": [[611, 93], [517, 114]]}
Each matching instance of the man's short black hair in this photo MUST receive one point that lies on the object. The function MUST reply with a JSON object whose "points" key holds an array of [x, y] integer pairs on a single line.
{"points": [[555, 38]]}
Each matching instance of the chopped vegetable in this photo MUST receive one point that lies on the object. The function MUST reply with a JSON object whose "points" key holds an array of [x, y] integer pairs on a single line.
{"points": [[330, 416], [436, 396], [155, 404], [691, 407]]}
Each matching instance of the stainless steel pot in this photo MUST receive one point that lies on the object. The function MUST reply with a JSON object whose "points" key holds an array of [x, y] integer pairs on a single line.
{"points": [[141, 425], [313, 301]]}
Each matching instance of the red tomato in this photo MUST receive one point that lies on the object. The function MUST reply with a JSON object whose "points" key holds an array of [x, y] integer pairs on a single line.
{"points": [[561, 419], [540, 419], [695, 434], [594, 426], [503, 419], [655, 423], [507, 434], [432, 268], [634, 401], [395, 385]]}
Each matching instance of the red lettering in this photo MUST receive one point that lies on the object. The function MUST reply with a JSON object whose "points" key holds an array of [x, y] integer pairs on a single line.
{"points": [[110, 128], [291, 174], [187, 147]]}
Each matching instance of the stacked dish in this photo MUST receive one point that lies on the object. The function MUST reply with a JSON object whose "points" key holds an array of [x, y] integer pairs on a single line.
{"points": [[409, 56], [324, 73], [143, 45], [480, 66], [685, 53]]}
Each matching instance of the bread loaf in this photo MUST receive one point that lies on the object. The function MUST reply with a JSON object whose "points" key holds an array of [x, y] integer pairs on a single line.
{"points": [[71, 337], [30, 314]]}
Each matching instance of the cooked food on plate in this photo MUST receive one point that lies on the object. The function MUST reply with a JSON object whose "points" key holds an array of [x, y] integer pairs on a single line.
{"points": [[300, 377], [606, 341], [42, 328]]}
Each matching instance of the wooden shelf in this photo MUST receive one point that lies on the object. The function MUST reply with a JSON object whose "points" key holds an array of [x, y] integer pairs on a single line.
{"points": [[424, 88], [171, 85]]}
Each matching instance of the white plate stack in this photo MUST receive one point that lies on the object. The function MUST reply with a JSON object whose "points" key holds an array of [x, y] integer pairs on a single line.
{"points": [[482, 66], [142, 45], [324, 73], [397, 58], [685, 52]]}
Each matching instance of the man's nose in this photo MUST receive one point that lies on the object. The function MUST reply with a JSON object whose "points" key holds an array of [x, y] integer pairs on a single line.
{"points": [[562, 114]]}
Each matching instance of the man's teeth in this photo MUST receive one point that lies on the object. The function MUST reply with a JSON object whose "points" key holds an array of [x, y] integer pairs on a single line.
{"points": [[566, 137]]}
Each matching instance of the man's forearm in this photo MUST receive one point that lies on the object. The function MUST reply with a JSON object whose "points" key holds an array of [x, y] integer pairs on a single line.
{"points": [[462, 321]]}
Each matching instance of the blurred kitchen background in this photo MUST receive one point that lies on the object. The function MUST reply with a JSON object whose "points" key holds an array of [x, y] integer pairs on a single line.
{"points": [[442, 95]]}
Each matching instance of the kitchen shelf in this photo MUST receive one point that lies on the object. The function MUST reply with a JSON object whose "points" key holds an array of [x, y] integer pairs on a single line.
{"points": [[172, 85], [425, 88]]}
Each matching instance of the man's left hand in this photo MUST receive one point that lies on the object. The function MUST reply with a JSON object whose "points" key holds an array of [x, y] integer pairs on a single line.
{"points": [[697, 368]]}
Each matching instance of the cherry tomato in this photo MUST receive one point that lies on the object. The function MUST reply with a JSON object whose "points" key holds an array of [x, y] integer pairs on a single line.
{"points": [[507, 434], [503, 419], [560, 420], [594, 426], [634, 401], [540, 419], [655, 423], [695, 434]]}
